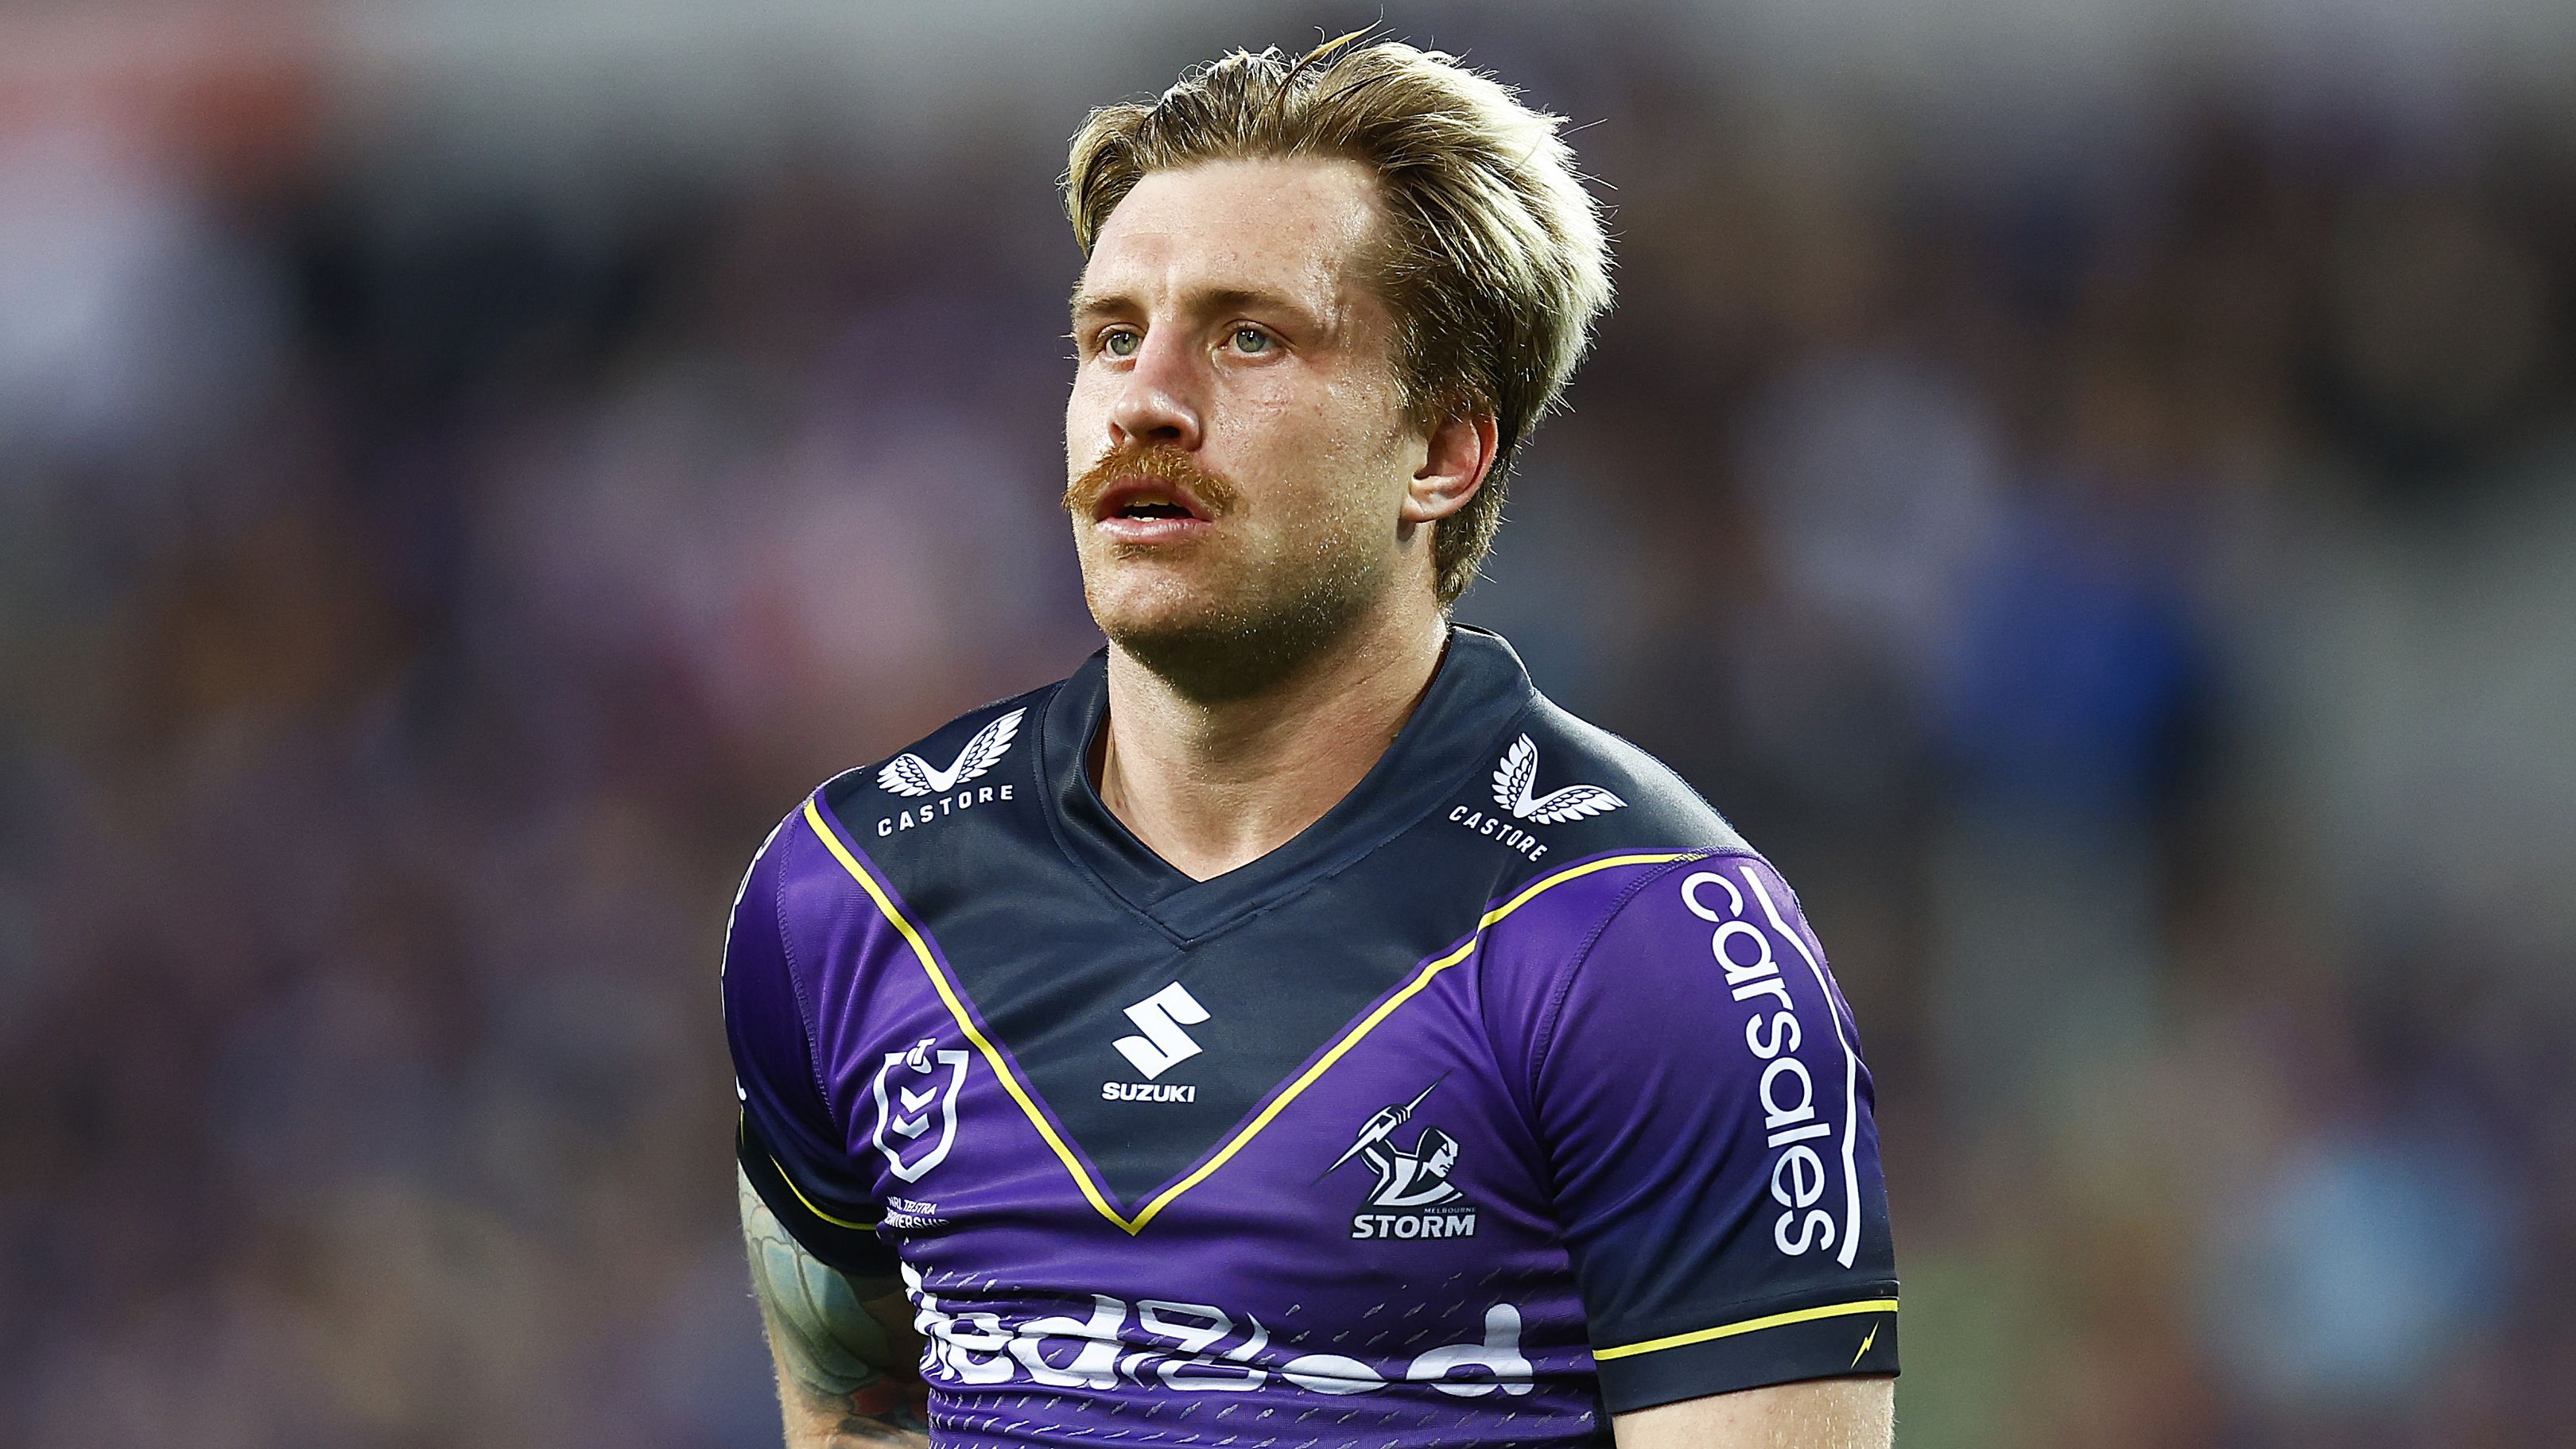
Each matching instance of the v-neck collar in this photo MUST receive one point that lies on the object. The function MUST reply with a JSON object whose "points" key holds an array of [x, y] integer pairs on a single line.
{"points": [[1477, 690]]}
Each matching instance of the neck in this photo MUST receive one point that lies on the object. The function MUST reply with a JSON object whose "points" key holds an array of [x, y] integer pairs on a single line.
{"points": [[1212, 785]]}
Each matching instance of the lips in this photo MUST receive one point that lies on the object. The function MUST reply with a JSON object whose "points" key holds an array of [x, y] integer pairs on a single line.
{"points": [[1139, 497], [1146, 510]]}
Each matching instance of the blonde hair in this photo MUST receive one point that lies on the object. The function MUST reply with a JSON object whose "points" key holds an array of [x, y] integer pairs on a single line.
{"points": [[1492, 259]]}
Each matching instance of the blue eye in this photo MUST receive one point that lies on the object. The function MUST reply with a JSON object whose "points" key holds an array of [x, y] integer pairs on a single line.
{"points": [[1251, 339], [1120, 342]]}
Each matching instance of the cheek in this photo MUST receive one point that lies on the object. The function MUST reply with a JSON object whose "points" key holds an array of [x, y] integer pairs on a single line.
{"points": [[1360, 443], [1086, 435], [1082, 418], [1337, 429], [1369, 416]]}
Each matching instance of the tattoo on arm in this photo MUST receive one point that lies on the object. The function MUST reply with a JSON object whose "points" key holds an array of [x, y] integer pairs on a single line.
{"points": [[847, 1375]]}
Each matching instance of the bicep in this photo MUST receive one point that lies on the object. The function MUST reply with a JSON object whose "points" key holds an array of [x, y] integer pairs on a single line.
{"points": [[1816, 1414], [847, 1361]]}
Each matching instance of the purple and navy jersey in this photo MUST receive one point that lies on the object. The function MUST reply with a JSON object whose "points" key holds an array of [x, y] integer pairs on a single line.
{"points": [[1512, 1094]]}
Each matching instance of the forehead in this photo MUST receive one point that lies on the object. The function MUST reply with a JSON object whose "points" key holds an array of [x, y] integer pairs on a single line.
{"points": [[1292, 225]]}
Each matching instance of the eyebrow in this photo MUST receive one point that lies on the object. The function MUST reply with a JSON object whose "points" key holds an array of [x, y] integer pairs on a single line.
{"points": [[1088, 306]]}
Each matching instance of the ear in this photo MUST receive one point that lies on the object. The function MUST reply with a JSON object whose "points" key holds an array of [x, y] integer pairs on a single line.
{"points": [[1456, 458]]}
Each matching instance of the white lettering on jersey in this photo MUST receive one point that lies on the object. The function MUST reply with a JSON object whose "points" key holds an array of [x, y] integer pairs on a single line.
{"points": [[1149, 1092], [1499, 1355], [1786, 1089], [1497, 829], [930, 810], [1189, 1348]]}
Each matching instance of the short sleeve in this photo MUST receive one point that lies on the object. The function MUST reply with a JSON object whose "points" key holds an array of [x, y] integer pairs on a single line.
{"points": [[1702, 1102], [789, 1144]]}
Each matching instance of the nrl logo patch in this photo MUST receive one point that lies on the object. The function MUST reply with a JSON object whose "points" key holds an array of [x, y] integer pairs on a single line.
{"points": [[1518, 772], [911, 775], [924, 1087]]}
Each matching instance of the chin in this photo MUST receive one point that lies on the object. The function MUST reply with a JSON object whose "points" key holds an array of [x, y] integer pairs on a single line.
{"points": [[1132, 603], [1215, 645], [1194, 642]]}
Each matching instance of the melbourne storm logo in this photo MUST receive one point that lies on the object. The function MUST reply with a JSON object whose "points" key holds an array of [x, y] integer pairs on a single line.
{"points": [[1414, 1197]]}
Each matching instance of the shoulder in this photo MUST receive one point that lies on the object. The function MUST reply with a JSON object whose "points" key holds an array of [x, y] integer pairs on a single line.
{"points": [[868, 830], [1577, 792], [1596, 822], [983, 758], [828, 891]]}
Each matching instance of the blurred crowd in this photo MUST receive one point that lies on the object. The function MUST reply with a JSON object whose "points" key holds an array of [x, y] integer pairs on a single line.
{"points": [[2121, 568]]}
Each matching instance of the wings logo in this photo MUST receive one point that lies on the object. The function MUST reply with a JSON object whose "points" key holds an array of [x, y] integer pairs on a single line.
{"points": [[909, 1114], [911, 775], [1518, 772]]}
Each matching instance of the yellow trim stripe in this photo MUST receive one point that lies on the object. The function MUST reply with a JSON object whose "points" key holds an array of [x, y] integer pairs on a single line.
{"points": [[1750, 1325], [1369, 1023], [788, 1178], [1028, 1105], [957, 1009]]}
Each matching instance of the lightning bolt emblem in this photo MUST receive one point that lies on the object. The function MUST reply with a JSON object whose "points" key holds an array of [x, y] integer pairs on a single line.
{"points": [[1380, 1125], [1864, 1345]]}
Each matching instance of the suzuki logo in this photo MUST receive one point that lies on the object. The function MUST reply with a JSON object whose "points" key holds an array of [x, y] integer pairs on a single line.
{"points": [[1160, 1017]]}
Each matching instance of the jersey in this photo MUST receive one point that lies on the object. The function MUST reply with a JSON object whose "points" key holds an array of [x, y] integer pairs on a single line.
{"points": [[1511, 1094]]}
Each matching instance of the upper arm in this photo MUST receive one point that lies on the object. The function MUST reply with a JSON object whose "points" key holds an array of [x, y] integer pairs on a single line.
{"points": [[827, 1286], [847, 1360], [1701, 1099], [791, 1146], [1816, 1414]]}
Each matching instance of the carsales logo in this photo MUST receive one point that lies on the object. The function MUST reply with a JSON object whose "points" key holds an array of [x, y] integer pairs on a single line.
{"points": [[1794, 1128]]}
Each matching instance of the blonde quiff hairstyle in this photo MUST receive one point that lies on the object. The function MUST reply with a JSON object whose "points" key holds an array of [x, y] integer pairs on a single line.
{"points": [[1492, 256]]}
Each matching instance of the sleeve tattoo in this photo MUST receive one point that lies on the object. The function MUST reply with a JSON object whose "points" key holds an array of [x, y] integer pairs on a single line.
{"points": [[846, 1375]]}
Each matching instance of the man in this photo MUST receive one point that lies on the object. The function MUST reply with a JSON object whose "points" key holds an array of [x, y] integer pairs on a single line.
{"points": [[1051, 1030]]}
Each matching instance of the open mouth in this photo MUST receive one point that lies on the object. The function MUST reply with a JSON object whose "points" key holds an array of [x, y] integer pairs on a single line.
{"points": [[1147, 501]]}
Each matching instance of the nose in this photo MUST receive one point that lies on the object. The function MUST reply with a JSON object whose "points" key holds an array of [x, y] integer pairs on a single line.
{"points": [[1158, 398]]}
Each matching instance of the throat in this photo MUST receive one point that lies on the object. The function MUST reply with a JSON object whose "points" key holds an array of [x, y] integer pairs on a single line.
{"points": [[1205, 824], [1213, 787]]}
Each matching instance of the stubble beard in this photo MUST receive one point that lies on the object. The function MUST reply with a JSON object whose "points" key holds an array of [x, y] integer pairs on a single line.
{"points": [[1254, 632], [1236, 632]]}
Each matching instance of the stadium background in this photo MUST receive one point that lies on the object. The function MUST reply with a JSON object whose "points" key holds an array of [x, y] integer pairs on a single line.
{"points": [[2086, 485]]}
